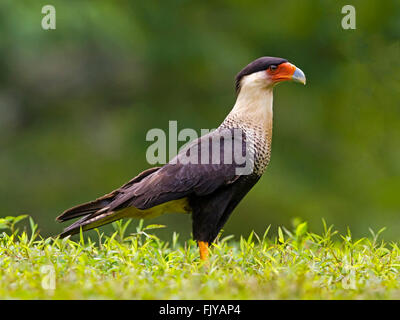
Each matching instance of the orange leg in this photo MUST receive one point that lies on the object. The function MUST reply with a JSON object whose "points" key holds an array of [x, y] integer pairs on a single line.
{"points": [[203, 246]]}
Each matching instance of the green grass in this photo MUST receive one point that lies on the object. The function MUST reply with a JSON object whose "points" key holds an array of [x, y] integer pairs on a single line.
{"points": [[294, 265]]}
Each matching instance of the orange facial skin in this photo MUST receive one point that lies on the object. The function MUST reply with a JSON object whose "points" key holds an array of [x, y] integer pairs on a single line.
{"points": [[283, 72]]}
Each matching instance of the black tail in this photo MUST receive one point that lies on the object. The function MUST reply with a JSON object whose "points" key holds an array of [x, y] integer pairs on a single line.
{"points": [[84, 209], [98, 212], [91, 221]]}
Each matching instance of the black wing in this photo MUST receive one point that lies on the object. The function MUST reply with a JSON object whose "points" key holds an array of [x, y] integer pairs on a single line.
{"points": [[205, 165]]}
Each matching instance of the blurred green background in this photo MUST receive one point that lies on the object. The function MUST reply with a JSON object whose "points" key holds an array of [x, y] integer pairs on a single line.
{"points": [[76, 104]]}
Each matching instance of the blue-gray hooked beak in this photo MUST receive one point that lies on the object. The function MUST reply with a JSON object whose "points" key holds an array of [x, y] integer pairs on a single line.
{"points": [[298, 76]]}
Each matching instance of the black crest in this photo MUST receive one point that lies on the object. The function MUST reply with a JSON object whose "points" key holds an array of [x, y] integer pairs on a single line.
{"points": [[259, 64]]}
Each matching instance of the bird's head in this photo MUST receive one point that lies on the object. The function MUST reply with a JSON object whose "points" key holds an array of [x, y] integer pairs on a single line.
{"points": [[265, 72]]}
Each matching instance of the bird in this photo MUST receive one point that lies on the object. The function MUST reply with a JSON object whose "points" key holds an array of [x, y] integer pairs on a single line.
{"points": [[208, 190]]}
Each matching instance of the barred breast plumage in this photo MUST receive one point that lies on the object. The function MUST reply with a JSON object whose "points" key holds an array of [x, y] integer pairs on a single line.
{"points": [[258, 138]]}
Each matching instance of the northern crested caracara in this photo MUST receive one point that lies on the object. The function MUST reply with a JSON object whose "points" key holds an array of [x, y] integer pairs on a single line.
{"points": [[210, 184]]}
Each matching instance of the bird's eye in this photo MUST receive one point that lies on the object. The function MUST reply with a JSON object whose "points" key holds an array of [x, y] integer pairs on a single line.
{"points": [[273, 67]]}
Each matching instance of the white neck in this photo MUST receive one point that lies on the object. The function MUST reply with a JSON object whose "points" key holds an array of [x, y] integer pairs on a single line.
{"points": [[254, 105]]}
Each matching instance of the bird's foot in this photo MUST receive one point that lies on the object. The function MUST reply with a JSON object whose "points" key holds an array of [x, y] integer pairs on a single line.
{"points": [[203, 247]]}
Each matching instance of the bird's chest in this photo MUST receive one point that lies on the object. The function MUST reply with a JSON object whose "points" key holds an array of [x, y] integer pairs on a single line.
{"points": [[260, 141], [258, 138]]}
